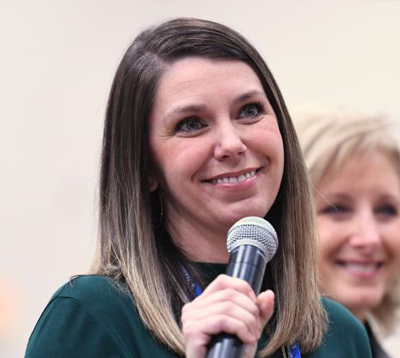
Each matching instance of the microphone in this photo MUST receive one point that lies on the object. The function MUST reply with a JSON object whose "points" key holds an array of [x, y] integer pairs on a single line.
{"points": [[252, 242]]}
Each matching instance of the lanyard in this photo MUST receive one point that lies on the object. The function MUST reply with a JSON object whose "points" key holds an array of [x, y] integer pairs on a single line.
{"points": [[195, 287], [294, 350]]}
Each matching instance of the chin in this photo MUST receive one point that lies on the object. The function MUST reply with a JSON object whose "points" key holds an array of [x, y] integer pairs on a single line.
{"points": [[245, 210], [238, 217], [233, 214], [361, 301]]}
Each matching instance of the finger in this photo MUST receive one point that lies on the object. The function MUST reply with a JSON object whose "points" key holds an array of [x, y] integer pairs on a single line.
{"points": [[248, 314], [225, 281], [265, 303], [202, 330], [226, 295]]}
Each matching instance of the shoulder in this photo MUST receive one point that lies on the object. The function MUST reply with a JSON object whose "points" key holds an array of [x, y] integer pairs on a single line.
{"points": [[345, 335], [341, 322], [90, 289], [92, 317], [108, 301], [93, 312], [341, 317], [97, 295], [81, 286]]}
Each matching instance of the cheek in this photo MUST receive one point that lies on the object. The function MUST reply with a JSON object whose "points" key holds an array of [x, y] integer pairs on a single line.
{"points": [[269, 143], [393, 251], [391, 237], [181, 163], [393, 245], [329, 238]]}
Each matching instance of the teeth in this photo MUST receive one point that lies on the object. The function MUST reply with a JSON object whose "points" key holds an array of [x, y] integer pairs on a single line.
{"points": [[232, 180], [364, 268]]}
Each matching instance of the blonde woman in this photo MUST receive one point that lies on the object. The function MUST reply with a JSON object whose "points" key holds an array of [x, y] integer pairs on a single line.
{"points": [[196, 137], [354, 163]]}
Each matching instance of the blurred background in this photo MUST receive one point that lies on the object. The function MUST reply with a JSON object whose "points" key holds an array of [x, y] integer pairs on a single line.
{"points": [[57, 61]]}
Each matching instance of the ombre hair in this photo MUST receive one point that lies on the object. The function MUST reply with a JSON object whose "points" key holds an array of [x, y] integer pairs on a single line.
{"points": [[329, 139], [134, 246]]}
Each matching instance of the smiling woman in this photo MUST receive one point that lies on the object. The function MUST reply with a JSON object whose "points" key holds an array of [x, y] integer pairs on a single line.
{"points": [[196, 137], [216, 145], [354, 162]]}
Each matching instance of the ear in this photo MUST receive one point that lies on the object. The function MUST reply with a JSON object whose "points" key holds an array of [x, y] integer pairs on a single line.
{"points": [[153, 182]]}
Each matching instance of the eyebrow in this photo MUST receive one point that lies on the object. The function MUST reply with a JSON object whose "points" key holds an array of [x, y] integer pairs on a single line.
{"points": [[201, 107], [391, 197], [250, 94], [185, 108]]}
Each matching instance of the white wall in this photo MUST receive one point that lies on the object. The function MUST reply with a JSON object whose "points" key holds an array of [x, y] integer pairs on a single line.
{"points": [[57, 60]]}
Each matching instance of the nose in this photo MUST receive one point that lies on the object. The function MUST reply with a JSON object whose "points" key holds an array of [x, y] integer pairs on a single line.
{"points": [[367, 233], [229, 142]]}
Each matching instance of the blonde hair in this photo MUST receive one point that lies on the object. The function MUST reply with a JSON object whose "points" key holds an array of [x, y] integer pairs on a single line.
{"points": [[328, 140], [133, 243]]}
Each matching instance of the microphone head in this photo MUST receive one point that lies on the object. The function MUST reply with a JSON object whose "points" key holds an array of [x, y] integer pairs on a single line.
{"points": [[254, 231]]}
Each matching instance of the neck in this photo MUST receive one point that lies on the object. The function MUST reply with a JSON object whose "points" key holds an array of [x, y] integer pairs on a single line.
{"points": [[199, 242], [361, 315]]}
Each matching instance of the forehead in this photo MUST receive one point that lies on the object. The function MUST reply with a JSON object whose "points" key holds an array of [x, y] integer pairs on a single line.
{"points": [[186, 64], [369, 167], [192, 70], [203, 81]]}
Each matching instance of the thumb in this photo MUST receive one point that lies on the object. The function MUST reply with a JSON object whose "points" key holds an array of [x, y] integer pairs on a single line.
{"points": [[265, 303]]}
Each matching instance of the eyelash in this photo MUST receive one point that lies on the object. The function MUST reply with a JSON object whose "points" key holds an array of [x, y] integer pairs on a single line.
{"points": [[259, 106], [186, 121], [334, 209], [383, 210], [387, 210]]}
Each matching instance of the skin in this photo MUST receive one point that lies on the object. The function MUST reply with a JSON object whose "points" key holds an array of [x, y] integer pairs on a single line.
{"points": [[360, 238], [227, 305], [204, 128], [218, 157]]}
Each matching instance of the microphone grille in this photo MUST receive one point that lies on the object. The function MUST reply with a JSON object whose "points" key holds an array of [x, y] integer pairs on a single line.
{"points": [[255, 231]]}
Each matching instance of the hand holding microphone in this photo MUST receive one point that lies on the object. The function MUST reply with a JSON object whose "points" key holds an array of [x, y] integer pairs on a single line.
{"points": [[226, 320]]}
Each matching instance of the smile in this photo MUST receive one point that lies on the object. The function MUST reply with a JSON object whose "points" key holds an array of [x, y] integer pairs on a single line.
{"points": [[234, 179], [361, 267]]}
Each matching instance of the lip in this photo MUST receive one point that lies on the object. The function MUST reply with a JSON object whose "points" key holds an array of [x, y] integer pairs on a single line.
{"points": [[233, 174], [244, 179], [360, 269]]}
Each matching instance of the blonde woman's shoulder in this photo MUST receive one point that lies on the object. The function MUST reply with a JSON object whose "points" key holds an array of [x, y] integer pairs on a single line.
{"points": [[345, 336]]}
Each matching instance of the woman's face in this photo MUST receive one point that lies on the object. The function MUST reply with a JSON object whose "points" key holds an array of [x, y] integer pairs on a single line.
{"points": [[359, 231], [217, 148]]}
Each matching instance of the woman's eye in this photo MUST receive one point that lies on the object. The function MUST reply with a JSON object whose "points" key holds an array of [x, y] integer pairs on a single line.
{"points": [[252, 110], [189, 125], [336, 210], [387, 210]]}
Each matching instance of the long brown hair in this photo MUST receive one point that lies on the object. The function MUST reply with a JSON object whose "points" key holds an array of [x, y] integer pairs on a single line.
{"points": [[133, 244]]}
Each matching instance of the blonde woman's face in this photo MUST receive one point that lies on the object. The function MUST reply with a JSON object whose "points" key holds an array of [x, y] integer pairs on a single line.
{"points": [[358, 217]]}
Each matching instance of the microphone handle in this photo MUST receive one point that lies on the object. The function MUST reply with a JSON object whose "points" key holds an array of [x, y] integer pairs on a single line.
{"points": [[248, 263]]}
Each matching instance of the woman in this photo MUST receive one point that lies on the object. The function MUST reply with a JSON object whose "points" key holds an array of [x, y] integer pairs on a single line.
{"points": [[354, 163], [197, 136]]}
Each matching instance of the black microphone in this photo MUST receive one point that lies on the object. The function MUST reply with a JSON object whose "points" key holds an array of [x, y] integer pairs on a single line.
{"points": [[252, 242]]}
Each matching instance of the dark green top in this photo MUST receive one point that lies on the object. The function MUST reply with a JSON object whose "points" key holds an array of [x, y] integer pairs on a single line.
{"points": [[91, 318]]}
